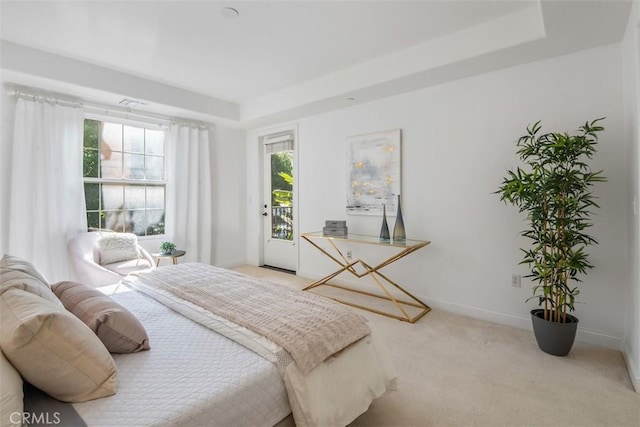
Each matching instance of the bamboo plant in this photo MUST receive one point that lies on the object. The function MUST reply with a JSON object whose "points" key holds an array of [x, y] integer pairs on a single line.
{"points": [[554, 188]]}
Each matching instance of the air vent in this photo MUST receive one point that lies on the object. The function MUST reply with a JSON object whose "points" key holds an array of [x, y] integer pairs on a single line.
{"points": [[229, 12], [131, 103]]}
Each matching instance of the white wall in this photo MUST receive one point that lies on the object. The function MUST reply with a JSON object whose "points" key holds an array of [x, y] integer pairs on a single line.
{"points": [[229, 206], [631, 73], [458, 140]]}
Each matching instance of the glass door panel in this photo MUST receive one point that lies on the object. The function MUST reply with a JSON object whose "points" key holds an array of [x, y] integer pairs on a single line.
{"points": [[282, 195]]}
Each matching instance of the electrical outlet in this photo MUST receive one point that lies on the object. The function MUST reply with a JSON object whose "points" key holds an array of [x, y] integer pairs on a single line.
{"points": [[516, 280], [349, 255]]}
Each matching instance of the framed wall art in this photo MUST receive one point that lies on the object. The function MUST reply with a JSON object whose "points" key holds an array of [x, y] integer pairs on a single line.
{"points": [[373, 172]]}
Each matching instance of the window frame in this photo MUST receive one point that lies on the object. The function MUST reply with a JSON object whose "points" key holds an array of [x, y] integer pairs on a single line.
{"points": [[129, 181]]}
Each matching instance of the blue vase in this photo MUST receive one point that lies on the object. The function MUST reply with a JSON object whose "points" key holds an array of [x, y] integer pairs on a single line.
{"points": [[398, 229], [384, 231]]}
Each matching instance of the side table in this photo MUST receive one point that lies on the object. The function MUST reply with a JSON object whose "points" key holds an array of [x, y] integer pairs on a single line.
{"points": [[173, 255]]}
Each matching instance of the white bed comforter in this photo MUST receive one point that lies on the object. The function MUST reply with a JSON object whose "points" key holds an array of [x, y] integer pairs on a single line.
{"points": [[333, 394], [192, 376]]}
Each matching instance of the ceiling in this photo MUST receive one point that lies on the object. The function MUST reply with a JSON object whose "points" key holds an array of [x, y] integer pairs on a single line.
{"points": [[279, 60]]}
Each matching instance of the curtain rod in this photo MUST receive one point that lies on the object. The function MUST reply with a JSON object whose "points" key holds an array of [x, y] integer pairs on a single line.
{"points": [[105, 109]]}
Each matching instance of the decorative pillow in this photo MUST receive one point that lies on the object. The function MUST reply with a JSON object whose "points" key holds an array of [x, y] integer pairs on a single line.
{"points": [[54, 350], [21, 274], [16, 263], [10, 394], [116, 247], [119, 330]]}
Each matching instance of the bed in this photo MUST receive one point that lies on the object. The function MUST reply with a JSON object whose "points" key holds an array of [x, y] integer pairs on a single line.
{"points": [[191, 376], [204, 370]]}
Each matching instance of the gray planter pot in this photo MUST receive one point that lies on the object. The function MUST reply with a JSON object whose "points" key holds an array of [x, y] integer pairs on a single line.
{"points": [[554, 338]]}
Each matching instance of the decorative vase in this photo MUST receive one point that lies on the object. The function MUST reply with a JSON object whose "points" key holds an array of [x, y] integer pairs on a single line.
{"points": [[384, 231], [398, 229]]}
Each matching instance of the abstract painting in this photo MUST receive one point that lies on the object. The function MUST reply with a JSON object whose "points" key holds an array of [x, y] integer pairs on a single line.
{"points": [[373, 173]]}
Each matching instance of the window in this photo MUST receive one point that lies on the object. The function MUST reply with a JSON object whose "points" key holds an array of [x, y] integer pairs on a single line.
{"points": [[124, 182]]}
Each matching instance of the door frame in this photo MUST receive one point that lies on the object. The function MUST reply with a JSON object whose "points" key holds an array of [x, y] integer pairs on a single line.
{"points": [[261, 135]]}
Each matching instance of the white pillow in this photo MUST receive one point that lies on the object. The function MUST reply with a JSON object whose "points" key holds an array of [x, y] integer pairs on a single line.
{"points": [[11, 396], [116, 247]]}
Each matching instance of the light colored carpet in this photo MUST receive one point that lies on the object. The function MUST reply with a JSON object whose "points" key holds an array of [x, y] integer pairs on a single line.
{"points": [[458, 371]]}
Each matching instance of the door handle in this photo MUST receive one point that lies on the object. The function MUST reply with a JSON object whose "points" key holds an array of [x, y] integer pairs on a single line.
{"points": [[265, 214]]}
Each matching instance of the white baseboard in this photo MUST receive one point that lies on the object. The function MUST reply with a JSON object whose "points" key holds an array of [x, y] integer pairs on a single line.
{"points": [[632, 368], [586, 336], [480, 313]]}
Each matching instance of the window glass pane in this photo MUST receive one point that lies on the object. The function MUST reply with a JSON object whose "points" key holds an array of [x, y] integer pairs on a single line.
{"points": [[90, 163], [133, 166], [111, 137], [155, 221], [154, 142], [112, 197], [155, 197], [134, 197], [92, 196], [91, 134], [155, 168], [93, 220], [117, 152], [137, 222], [112, 167], [118, 220], [133, 139]]}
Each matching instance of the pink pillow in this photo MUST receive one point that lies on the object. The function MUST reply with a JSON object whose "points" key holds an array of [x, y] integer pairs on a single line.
{"points": [[119, 330]]}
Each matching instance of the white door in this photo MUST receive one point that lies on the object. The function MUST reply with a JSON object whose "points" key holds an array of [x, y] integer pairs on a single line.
{"points": [[280, 228]]}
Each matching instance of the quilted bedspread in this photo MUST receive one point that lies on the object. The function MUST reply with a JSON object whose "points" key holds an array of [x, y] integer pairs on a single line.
{"points": [[309, 327]]}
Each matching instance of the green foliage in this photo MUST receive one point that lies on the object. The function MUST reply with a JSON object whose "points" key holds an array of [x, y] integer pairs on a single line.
{"points": [[283, 197], [281, 179], [91, 169], [554, 189], [167, 247], [91, 143]]}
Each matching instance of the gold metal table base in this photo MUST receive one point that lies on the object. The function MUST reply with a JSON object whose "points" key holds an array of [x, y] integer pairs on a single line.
{"points": [[406, 247]]}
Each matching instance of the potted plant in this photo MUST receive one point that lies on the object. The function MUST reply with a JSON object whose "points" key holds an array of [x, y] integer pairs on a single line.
{"points": [[554, 189], [167, 247]]}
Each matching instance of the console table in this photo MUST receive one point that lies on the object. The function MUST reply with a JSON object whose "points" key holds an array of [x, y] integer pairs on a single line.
{"points": [[334, 252]]}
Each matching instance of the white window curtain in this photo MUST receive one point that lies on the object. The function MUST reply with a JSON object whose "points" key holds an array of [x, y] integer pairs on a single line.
{"points": [[46, 196], [188, 219]]}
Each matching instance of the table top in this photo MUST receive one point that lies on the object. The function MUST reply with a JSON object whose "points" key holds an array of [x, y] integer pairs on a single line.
{"points": [[372, 240], [174, 254]]}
